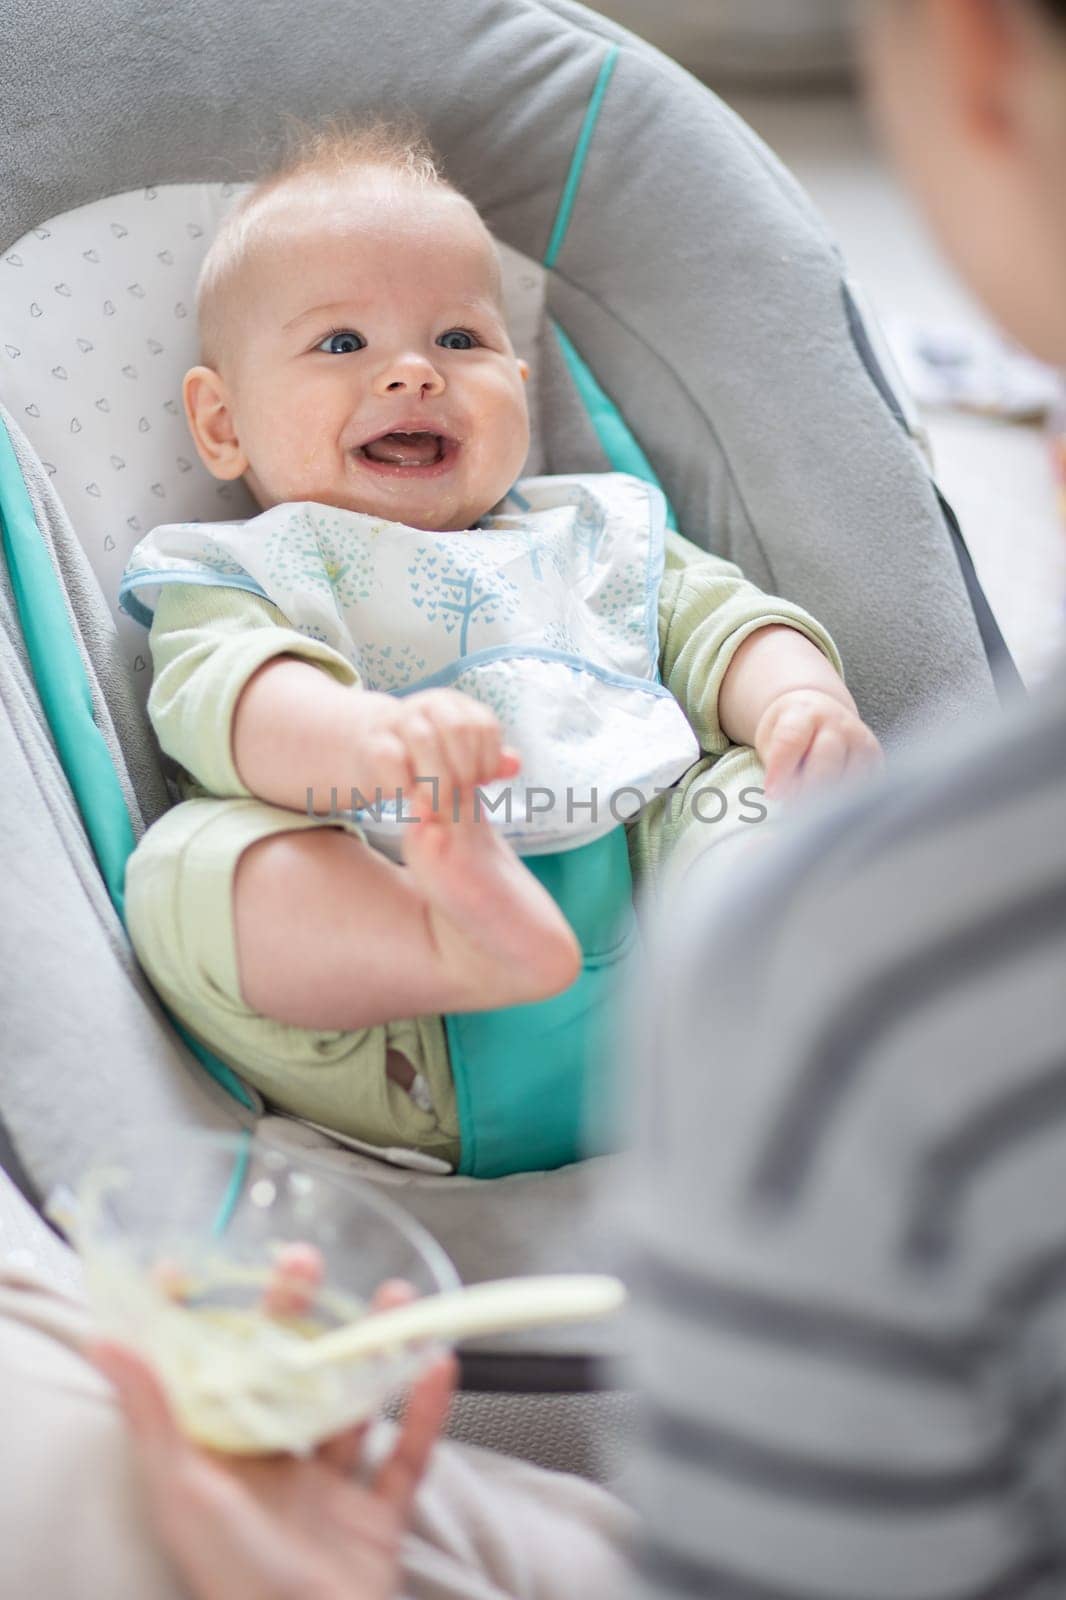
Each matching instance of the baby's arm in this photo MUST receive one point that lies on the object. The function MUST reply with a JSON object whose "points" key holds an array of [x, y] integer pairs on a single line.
{"points": [[463, 925], [206, 642], [298, 735], [726, 646], [311, 725], [781, 695]]}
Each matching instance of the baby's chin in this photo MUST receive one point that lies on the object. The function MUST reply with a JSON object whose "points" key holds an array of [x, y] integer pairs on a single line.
{"points": [[416, 512], [418, 507], [429, 513], [426, 520]]}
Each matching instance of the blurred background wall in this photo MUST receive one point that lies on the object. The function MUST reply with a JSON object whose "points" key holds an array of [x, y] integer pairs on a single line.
{"points": [[751, 41], [787, 67]]}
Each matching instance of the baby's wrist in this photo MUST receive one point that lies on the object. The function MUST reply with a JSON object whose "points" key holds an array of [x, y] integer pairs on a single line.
{"points": [[835, 690], [356, 739], [804, 698]]}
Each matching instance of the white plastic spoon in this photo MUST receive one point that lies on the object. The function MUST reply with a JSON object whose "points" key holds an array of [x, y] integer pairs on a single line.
{"points": [[482, 1308]]}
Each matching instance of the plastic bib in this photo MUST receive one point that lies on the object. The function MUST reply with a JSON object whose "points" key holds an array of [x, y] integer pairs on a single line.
{"points": [[547, 612]]}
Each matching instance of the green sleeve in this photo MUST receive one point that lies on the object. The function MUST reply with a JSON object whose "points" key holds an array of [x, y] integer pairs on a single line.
{"points": [[206, 642], [707, 608]]}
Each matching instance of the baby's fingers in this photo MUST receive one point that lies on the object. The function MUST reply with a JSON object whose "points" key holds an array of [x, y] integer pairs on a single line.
{"points": [[429, 765], [472, 737], [826, 759], [788, 746], [387, 755], [298, 1274], [865, 753], [510, 762]]}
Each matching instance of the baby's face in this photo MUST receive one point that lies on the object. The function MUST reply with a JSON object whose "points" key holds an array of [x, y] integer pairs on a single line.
{"points": [[371, 367]]}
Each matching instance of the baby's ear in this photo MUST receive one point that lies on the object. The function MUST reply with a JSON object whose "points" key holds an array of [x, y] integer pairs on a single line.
{"points": [[210, 420]]}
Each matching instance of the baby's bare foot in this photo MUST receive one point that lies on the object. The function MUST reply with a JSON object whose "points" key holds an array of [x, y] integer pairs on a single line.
{"points": [[493, 922]]}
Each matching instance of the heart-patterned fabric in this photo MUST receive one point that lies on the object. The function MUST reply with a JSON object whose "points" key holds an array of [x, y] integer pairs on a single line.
{"points": [[97, 330]]}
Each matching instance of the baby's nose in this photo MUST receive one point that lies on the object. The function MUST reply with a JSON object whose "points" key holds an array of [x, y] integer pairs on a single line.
{"points": [[404, 384], [410, 375]]}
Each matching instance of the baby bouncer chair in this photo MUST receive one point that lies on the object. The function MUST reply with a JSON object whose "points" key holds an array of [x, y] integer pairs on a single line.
{"points": [[687, 319]]}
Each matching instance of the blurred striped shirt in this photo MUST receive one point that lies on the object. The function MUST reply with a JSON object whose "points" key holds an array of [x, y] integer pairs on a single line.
{"points": [[848, 1244]]}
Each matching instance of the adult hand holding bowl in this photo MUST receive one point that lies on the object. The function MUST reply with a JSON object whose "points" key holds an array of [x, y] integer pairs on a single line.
{"points": [[271, 1293], [189, 1241]]}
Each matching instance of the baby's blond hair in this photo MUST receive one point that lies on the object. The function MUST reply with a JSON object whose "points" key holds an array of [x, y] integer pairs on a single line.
{"points": [[327, 151]]}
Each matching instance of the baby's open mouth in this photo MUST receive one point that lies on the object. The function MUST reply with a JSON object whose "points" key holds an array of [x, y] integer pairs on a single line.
{"points": [[406, 449]]}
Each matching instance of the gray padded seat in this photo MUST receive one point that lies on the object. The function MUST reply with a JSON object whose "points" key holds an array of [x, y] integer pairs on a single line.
{"points": [[704, 295]]}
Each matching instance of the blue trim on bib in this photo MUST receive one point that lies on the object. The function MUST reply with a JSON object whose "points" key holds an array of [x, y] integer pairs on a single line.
{"points": [[504, 652], [136, 609]]}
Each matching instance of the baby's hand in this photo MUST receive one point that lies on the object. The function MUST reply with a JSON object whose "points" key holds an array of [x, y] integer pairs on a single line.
{"points": [[806, 737], [436, 733]]}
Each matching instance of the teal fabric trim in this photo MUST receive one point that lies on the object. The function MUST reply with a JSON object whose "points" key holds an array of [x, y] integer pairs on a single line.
{"points": [[223, 1075], [555, 1101], [228, 1204], [59, 674], [619, 445], [577, 163], [63, 687]]}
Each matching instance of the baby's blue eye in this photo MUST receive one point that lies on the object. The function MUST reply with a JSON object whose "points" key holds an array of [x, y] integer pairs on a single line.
{"points": [[457, 333], [343, 333]]}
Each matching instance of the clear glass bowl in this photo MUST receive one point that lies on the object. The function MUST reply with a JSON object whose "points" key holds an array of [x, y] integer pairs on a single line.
{"points": [[180, 1233]]}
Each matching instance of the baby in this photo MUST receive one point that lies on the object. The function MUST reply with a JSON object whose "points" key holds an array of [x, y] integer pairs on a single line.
{"points": [[356, 362]]}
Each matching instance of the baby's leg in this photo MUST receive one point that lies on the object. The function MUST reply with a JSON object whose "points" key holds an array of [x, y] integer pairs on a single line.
{"points": [[332, 934]]}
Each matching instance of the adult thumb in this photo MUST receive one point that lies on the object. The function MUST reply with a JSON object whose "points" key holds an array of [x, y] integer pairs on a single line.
{"points": [[140, 1395]]}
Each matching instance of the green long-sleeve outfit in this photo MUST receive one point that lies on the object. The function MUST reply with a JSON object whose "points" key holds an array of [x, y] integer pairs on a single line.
{"points": [[206, 643]]}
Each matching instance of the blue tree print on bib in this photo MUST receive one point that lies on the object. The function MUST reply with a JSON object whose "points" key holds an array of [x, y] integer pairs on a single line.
{"points": [[312, 631], [547, 541], [589, 523], [458, 592], [557, 636], [623, 597], [385, 667], [496, 688], [324, 556], [218, 559], [541, 550]]}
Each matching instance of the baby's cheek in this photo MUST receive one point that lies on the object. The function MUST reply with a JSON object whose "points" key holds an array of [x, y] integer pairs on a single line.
{"points": [[516, 432]]}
